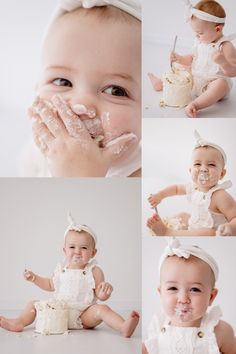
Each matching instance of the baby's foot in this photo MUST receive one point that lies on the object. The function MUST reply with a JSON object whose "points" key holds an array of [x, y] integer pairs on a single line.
{"points": [[11, 324], [130, 324], [156, 82], [191, 110], [157, 226]]}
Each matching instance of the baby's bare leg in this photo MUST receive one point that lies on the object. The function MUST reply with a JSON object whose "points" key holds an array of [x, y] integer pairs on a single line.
{"points": [[96, 314], [156, 82], [24, 319], [215, 91], [156, 224]]}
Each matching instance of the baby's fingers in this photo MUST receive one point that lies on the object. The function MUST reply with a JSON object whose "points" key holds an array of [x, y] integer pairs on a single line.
{"points": [[72, 122], [117, 147]]}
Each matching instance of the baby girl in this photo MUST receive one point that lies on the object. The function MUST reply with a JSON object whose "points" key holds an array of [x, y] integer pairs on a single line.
{"points": [[213, 60], [213, 209], [80, 283], [86, 118], [187, 288]]}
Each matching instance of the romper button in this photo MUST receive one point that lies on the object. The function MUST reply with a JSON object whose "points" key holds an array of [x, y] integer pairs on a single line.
{"points": [[163, 330], [84, 272], [200, 334]]}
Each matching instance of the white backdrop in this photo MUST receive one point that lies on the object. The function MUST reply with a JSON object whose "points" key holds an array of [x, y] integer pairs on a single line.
{"points": [[222, 249], [33, 222], [167, 148], [22, 25]]}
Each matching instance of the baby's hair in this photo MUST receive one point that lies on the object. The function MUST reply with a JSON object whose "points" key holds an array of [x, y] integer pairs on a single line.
{"points": [[211, 7], [106, 13]]}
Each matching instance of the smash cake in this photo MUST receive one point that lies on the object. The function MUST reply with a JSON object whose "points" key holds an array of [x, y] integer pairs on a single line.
{"points": [[51, 317], [177, 86]]}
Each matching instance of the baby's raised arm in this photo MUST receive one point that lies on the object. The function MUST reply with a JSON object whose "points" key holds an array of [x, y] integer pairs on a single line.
{"points": [[176, 189], [103, 289], [43, 283]]}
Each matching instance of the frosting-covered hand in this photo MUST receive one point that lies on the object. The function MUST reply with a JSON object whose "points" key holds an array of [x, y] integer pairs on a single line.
{"points": [[224, 230]]}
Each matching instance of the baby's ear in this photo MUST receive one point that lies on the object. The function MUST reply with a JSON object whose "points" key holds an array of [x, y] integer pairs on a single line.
{"points": [[214, 293], [159, 289], [94, 252], [223, 173]]}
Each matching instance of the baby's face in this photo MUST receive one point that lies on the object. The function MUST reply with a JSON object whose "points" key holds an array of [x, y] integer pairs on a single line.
{"points": [[207, 167], [205, 31], [186, 290], [79, 249], [96, 63]]}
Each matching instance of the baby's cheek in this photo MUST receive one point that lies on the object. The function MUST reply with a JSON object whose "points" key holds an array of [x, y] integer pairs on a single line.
{"points": [[116, 123]]}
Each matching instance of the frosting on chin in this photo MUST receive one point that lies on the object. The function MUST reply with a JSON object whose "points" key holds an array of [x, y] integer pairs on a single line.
{"points": [[124, 167]]}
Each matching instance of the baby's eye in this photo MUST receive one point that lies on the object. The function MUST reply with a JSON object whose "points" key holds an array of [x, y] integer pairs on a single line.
{"points": [[195, 290], [72, 246], [172, 288], [84, 248], [116, 91], [62, 82], [212, 164], [197, 164]]}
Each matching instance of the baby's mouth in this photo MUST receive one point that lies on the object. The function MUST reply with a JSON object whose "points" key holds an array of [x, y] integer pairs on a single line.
{"points": [[95, 129], [183, 312], [76, 259], [203, 177]]}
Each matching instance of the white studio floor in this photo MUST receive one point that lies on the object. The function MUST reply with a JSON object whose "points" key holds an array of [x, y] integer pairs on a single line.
{"points": [[101, 340], [156, 60]]}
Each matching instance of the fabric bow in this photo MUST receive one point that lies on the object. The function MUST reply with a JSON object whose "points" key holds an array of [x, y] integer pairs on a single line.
{"points": [[201, 142], [133, 7], [74, 226], [175, 248], [202, 15]]}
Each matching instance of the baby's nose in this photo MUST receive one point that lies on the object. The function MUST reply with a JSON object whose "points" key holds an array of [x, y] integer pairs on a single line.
{"points": [[83, 111], [183, 298]]}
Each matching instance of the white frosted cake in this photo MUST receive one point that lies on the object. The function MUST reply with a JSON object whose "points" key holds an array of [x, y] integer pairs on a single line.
{"points": [[177, 86], [51, 317]]}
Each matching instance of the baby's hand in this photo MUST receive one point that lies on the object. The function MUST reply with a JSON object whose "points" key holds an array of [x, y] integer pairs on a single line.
{"points": [[104, 290], [224, 230], [67, 144], [154, 199], [218, 57], [175, 57], [28, 275]]}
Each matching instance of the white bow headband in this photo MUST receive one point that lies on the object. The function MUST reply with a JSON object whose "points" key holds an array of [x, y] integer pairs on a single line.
{"points": [[132, 7], [175, 248], [73, 226], [190, 10], [201, 142]]}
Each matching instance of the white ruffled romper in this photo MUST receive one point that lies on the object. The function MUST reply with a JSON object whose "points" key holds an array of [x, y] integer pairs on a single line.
{"points": [[201, 216], [204, 69], [76, 288], [166, 339]]}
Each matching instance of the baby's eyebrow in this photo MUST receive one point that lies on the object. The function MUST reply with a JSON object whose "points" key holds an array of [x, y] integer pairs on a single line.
{"points": [[58, 67]]}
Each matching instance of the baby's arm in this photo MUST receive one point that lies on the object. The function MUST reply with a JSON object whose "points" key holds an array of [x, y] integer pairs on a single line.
{"points": [[227, 206], [225, 338], [185, 60], [176, 189], [144, 349], [103, 289], [43, 283], [226, 58]]}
